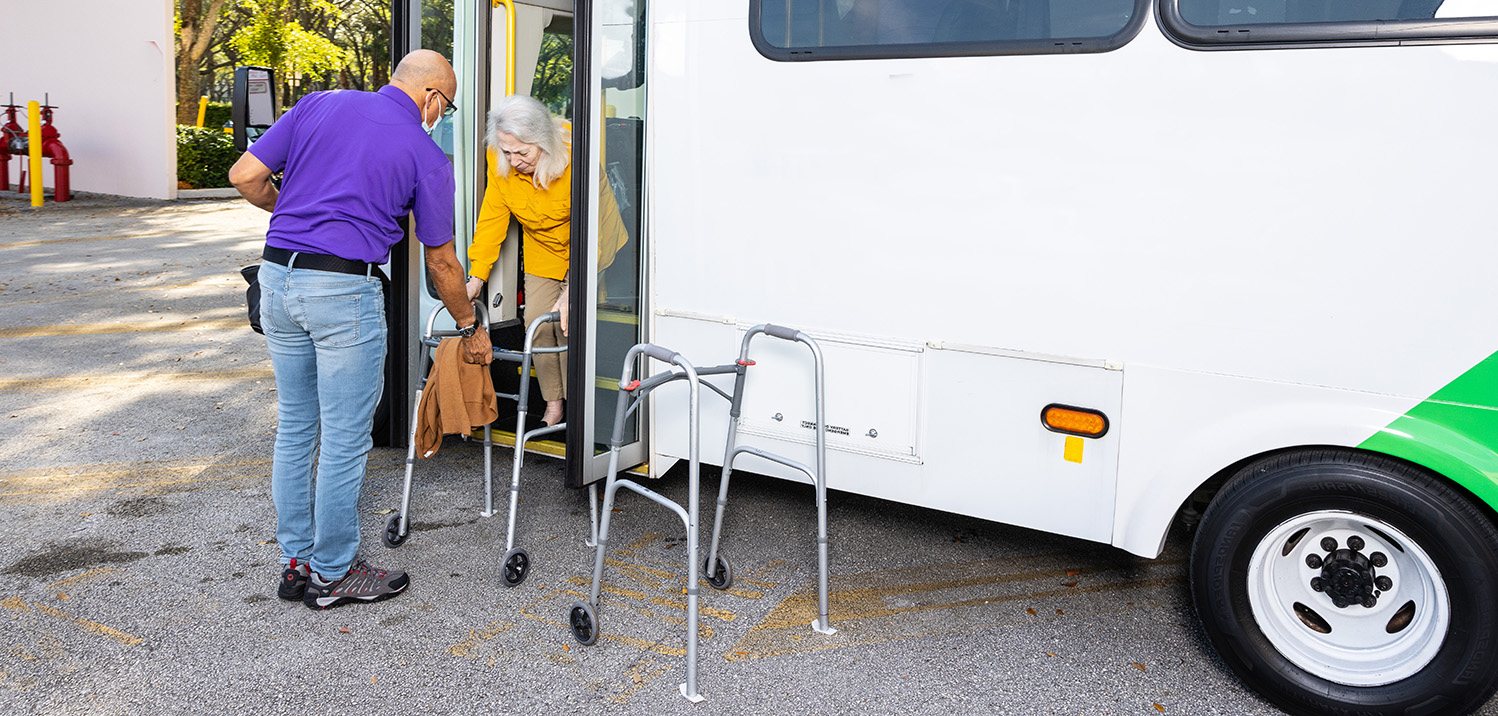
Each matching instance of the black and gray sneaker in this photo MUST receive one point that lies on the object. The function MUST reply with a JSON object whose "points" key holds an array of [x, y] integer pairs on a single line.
{"points": [[293, 581], [363, 583]]}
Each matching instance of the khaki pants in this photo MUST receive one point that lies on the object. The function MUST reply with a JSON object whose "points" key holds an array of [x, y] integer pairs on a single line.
{"points": [[551, 369]]}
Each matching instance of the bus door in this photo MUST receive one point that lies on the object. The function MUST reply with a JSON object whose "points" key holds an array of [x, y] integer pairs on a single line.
{"points": [[530, 50], [606, 283]]}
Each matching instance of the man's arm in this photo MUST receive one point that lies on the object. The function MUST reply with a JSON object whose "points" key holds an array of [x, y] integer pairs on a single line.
{"points": [[252, 178], [447, 276]]}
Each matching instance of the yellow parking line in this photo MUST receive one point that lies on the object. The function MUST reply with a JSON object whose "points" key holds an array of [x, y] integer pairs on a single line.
{"points": [[89, 329], [111, 379], [207, 283], [86, 576], [77, 239], [133, 484], [90, 626]]}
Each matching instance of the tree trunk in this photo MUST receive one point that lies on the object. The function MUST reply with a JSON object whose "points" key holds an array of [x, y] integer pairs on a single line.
{"points": [[194, 43]]}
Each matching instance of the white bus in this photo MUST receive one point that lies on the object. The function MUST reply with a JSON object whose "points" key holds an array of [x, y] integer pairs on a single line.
{"points": [[1085, 266]]}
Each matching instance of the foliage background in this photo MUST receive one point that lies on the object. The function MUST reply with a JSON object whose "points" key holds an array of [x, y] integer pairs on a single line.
{"points": [[204, 156], [313, 44]]}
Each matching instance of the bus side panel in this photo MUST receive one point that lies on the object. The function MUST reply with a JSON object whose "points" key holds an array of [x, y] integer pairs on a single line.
{"points": [[1186, 426], [943, 429]]}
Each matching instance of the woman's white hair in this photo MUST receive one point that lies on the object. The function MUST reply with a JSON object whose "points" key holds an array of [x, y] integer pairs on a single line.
{"points": [[527, 120]]}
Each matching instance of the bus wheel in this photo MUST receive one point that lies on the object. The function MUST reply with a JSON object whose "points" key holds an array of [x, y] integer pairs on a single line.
{"points": [[1334, 581]]}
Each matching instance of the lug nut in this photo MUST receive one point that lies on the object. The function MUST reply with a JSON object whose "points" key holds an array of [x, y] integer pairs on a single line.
{"points": [[1354, 543], [1378, 559], [1313, 561], [1328, 544], [1370, 601], [1384, 584], [1317, 584], [1339, 602]]}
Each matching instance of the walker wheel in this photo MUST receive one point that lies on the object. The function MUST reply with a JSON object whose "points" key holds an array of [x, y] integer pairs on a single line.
{"points": [[723, 577], [584, 623], [517, 566], [392, 536]]}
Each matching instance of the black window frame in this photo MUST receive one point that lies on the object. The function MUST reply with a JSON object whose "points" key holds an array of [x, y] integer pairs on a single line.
{"points": [[1050, 46], [1364, 33]]}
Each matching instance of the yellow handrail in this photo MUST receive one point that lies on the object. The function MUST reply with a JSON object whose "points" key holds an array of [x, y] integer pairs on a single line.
{"points": [[509, 44]]}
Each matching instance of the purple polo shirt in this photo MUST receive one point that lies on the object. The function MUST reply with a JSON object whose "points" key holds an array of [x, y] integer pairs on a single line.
{"points": [[356, 163]]}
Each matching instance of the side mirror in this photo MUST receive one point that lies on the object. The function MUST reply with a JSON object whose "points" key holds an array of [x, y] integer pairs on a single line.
{"points": [[253, 107]]}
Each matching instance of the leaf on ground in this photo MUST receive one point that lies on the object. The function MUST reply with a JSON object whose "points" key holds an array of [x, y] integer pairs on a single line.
{"points": [[1030, 611], [1139, 666], [1051, 655], [566, 648], [1068, 585], [345, 630], [383, 512], [1058, 611], [1073, 572], [374, 679], [1160, 708]]}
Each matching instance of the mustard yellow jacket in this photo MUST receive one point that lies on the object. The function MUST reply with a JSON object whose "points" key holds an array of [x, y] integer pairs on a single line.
{"points": [[545, 217]]}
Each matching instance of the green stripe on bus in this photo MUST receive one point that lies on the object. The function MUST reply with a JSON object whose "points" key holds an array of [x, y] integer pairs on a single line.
{"points": [[1454, 432]]}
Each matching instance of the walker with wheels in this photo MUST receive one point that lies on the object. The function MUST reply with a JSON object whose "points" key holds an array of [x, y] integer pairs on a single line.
{"points": [[583, 616], [517, 561]]}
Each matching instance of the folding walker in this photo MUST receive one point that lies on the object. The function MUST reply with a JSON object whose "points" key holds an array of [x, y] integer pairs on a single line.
{"points": [[582, 616], [517, 562]]}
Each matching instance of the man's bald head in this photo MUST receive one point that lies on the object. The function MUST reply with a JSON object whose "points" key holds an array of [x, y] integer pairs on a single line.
{"points": [[422, 69]]}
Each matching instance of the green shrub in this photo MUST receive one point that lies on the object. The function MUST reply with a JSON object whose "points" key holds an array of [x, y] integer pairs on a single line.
{"points": [[216, 116], [204, 156]]}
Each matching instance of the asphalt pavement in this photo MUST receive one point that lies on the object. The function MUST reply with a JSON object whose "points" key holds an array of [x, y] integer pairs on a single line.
{"points": [[137, 416]]}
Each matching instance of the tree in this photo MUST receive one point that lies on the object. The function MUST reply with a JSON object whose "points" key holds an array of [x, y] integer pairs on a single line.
{"points": [[197, 20], [553, 81], [275, 38]]}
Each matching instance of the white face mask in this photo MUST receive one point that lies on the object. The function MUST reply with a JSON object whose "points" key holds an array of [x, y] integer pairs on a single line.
{"points": [[435, 123]]}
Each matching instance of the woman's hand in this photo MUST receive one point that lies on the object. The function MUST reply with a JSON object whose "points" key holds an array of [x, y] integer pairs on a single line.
{"points": [[561, 306], [475, 285]]}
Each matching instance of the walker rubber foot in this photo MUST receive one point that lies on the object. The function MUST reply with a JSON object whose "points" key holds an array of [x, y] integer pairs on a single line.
{"points": [[694, 698], [816, 626]]}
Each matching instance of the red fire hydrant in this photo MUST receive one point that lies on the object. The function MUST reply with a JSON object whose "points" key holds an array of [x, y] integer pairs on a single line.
{"points": [[13, 141]]}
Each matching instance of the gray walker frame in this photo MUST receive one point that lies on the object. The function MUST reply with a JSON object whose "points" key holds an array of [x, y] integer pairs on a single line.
{"points": [[582, 616], [397, 527]]}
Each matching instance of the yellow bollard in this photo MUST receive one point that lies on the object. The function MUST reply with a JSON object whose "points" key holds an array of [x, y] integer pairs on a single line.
{"points": [[34, 136], [202, 110]]}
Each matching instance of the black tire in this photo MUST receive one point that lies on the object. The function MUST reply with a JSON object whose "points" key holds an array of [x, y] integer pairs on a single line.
{"points": [[723, 578], [1449, 531], [516, 567], [584, 623], [392, 536]]}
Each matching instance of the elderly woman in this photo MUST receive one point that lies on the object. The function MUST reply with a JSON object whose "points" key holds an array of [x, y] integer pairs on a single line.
{"points": [[530, 179]]}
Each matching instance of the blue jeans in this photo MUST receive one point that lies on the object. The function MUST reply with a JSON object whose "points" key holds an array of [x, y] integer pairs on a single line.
{"points": [[326, 334]]}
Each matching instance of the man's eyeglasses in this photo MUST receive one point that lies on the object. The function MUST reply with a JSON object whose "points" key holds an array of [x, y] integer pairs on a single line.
{"points": [[451, 106]]}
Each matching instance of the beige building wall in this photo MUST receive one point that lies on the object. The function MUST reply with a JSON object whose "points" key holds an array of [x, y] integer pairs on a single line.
{"points": [[109, 67]]}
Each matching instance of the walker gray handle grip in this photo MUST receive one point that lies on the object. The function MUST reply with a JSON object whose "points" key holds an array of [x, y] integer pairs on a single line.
{"points": [[781, 332], [552, 316], [664, 355]]}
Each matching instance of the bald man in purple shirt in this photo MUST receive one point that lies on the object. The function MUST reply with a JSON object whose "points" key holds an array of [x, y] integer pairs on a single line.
{"points": [[354, 164]]}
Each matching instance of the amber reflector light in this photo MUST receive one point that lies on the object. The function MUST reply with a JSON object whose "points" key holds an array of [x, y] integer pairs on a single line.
{"points": [[1074, 421]]}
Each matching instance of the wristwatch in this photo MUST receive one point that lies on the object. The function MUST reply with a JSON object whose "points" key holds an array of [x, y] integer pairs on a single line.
{"points": [[470, 330]]}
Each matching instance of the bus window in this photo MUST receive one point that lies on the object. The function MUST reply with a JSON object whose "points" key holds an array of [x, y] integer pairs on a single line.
{"points": [[1213, 13], [552, 83], [843, 29], [1281, 23]]}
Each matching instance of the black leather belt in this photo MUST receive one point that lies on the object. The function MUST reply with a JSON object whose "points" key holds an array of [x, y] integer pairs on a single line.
{"points": [[318, 262]]}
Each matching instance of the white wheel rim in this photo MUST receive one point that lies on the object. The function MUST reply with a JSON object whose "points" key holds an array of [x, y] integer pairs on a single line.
{"points": [[1358, 649]]}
